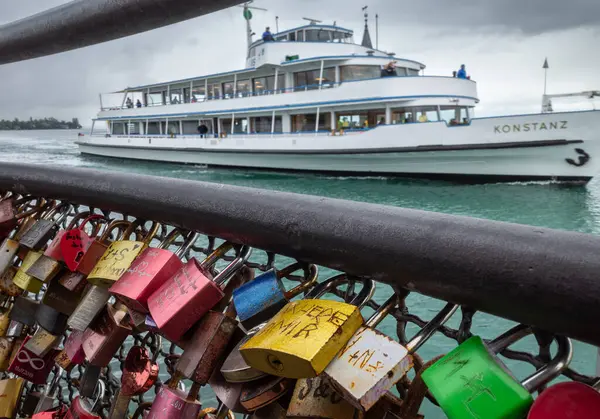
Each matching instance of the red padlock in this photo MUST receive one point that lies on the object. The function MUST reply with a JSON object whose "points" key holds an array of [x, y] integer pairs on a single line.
{"points": [[570, 400], [56, 413], [53, 251], [104, 337], [81, 409], [192, 292], [172, 403], [75, 242], [10, 213], [32, 368], [152, 268]]}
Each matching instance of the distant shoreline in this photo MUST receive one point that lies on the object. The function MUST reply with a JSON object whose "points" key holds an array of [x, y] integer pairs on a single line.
{"points": [[38, 124]]}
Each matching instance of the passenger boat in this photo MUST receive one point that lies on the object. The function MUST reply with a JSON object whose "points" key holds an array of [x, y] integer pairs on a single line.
{"points": [[311, 99]]}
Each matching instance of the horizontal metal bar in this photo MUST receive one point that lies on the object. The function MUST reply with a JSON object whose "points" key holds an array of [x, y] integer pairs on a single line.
{"points": [[532, 275], [87, 22]]}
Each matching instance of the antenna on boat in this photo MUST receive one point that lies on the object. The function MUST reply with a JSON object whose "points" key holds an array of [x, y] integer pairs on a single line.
{"points": [[277, 23], [248, 17], [377, 31], [312, 21], [366, 41]]}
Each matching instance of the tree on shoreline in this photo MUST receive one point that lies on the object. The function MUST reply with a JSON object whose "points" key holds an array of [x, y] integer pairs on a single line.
{"points": [[45, 123]]}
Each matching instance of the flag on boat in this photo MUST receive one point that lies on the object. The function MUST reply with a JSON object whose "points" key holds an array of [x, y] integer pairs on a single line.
{"points": [[247, 13], [545, 66]]}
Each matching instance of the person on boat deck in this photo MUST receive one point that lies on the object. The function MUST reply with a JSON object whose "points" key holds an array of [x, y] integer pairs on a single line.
{"points": [[390, 69], [423, 117], [129, 103], [366, 124], [267, 35], [462, 73], [381, 121], [138, 104], [202, 130]]}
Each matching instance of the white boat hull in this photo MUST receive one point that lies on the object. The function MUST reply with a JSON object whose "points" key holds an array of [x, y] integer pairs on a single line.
{"points": [[430, 150]]}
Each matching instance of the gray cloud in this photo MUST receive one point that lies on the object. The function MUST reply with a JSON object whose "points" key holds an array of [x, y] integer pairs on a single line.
{"points": [[502, 42]]}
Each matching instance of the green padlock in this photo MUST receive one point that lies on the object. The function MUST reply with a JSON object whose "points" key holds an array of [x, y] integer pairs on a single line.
{"points": [[472, 382]]}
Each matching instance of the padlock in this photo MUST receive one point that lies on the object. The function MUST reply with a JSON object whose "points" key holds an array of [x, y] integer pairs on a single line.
{"points": [[6, 348], [7, 286], [265, 391], [275, 410], [42, 342], [104, 337], [72, 353], [210, 338], [191, 293], [56, 413], [44, 268], [471, 382], [11, 211], [31, 367], [44, 229], [119, 256], [10, 395], [60, 298], [73, 281], [98, 247], [81, 409], [88, 380], [235, 369], [22, 313], [570, 400], [371, 363], [140, 372], [50, 319], [53, 250], [74, 242], [172, 403], [306, 335], [222, 412], [315, 397], [4, 320], [259, 300], [48, 397], [22, 279], [10, 245], [152, 268], [89, 308]]}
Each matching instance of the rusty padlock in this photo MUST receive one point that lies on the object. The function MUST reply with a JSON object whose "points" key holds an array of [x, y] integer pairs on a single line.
{"points": [[315, 397], [11, 212], [152, 268], [103, 339], [192, 292]]}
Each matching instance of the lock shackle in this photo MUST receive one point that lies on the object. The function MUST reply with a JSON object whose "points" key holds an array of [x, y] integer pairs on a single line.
{"points": [[221, 413], [554, 368], [431, 327], [383, 310], [148, 237], [99, 392], [39, 208], [111, 226], [189, 239], [234, 266], [362, 298], [76, 218], [157, 340], [311, 273], [101, 218], [548, 372], [64, 208], [51, 387]]}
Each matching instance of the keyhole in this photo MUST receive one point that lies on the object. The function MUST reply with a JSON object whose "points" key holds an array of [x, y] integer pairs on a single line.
{"points": [[79, 256], [275, 363]]}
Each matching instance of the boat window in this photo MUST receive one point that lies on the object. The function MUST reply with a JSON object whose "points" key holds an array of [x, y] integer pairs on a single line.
{"points": [[262, 124], [198, 93], [118, 128], [300, 36], [317, 35], [154, 99], [359, 72], [186, 95], [173, 128], [176, 97], [153, 128], [214, 91], [267, 84], [134, 128], [307, 122], [281, 38], [454, 115], [292, 36], [353, 120], [190, 127], [243, 88], [412, 72], [228, 90], [309, 80]]}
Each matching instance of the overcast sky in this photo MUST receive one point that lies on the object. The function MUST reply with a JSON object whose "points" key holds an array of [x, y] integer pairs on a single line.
{"points": [[503, 44]]}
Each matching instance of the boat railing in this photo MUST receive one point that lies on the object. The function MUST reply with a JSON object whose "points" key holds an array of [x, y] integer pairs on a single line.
{"points": [[241, 135]]}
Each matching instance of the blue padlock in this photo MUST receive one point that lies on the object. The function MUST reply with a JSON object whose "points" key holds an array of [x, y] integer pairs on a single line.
{"points": [[260, 299]]}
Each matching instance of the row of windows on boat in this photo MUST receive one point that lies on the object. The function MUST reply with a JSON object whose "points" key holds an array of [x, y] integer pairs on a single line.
{"points": [[310, 35], [343, 120], [302, 80]]}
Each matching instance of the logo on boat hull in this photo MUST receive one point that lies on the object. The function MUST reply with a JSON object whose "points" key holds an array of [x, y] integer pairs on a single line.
{"points": [[532, 126], [583, 158]]}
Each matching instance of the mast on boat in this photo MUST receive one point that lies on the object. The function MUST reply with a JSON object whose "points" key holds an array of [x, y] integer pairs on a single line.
{"points": [[248, 17]]}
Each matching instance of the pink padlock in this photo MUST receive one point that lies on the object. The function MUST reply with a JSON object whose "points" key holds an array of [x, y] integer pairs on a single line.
{"points": [[74, 347], [570, 400], [172, 403], [152, 268], [192, 292]]}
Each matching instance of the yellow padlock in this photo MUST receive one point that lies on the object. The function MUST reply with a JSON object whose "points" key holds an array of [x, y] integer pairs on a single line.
{"points": [[304, 337], [24, 281], [10, 395], [120, 255]]}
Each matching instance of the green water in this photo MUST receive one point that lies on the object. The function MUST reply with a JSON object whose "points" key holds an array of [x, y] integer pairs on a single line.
{"points": [[541, 204]]}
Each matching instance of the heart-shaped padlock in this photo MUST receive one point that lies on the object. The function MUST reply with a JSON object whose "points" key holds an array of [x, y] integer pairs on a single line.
{"points": [[75, 242]]}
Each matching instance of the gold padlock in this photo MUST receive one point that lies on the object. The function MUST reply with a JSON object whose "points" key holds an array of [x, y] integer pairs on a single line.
{"points": [[7, 286], [22, 279], [120, 255], [303, 338], [42, 342], [4, 320], [10, 394], [6, 348]]}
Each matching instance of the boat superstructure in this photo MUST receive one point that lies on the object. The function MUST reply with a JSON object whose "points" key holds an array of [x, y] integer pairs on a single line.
{"points": [[312, 99]]}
